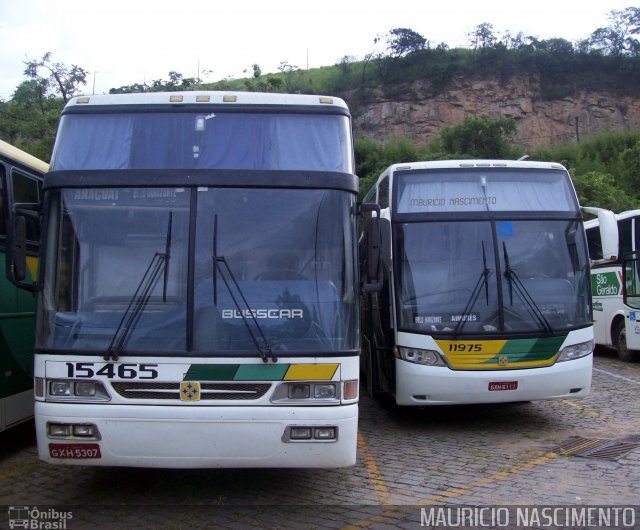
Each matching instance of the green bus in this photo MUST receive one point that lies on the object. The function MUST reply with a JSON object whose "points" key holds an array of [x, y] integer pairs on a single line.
{"points": [[20, 183]]}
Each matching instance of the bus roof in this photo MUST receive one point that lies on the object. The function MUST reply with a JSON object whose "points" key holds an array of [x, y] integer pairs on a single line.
{"points": [[27, 160], [207, 97], [453, 164]]}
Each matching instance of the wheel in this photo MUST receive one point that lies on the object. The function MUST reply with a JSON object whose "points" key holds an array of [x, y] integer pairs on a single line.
{"points": [[620, 341]]}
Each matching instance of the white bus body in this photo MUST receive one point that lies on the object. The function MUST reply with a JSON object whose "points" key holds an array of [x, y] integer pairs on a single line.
{"points": [[481, 294], [198, 302], [616, 324]]}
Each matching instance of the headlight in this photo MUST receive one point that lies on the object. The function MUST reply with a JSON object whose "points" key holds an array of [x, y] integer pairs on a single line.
{"points": [[419, 356], [68, 390], [576, 351], [307, 393]]}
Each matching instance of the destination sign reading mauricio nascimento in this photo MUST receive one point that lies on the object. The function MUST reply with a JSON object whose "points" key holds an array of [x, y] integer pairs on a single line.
{"points": [[482, 190]]}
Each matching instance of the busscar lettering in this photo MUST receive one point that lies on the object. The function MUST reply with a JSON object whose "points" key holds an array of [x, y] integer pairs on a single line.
{"points": [[263, 313]]}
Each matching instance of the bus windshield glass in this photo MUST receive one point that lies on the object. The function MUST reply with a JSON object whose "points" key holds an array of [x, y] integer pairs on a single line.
{"points": [[512, 265], [189, 270], [191, 140], [453, 279]]}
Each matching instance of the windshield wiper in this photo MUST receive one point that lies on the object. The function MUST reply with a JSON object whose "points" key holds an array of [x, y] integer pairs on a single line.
{"points": [[483, 280], [159, 263], [532, 307], [263, 349]]}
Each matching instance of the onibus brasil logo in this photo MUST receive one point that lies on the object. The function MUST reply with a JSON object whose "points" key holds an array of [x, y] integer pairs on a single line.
{"points": [[36, 518]]}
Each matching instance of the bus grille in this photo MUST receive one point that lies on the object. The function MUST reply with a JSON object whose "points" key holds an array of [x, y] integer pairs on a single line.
{"points": [[208, 391]]}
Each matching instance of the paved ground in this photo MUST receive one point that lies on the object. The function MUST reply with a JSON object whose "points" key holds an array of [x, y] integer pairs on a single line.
{"points": [[410, 463]]}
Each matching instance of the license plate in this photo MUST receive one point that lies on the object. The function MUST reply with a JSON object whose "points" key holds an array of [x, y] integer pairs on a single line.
{"points": [[499, 386], [76, 451]]}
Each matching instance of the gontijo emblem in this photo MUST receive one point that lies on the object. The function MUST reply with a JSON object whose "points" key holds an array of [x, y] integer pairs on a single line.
{"points": [[190, 391]]}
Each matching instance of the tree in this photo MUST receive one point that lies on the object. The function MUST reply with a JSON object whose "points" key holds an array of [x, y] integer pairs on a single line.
{"points": [[482, 36], [479, 137], [403, 41], [60, 80], [287, 70], [619, 38], [599, 189]]}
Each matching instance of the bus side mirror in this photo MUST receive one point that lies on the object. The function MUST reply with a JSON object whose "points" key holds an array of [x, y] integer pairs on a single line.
{"points": [[608, 228], [377, 254], [631, 275], [16, 269]]}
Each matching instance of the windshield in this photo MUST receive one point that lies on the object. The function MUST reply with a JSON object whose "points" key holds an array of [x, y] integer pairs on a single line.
{"points": [[290, 252], [190, 140], [454, 280]]}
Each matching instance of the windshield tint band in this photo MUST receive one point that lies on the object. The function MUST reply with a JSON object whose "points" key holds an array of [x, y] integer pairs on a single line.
{"points": [[484, 190], [202, 177]]}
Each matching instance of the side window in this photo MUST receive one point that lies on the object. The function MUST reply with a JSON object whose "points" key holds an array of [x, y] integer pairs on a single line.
{"points": [[636, 221], [26, 189], [3, 228], [624, 231], [595, 243], [383, 193]]}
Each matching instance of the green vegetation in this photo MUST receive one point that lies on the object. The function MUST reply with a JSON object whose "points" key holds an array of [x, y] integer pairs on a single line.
{"points": [[605, 168]]}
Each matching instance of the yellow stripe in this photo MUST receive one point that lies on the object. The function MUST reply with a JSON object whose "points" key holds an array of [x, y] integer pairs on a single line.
{"points": [[374, 473], [32, 264], [485, 348], [304, 372]]}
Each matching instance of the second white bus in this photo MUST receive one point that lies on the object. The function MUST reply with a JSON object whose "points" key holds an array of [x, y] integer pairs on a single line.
{"points": [[478, 284]]}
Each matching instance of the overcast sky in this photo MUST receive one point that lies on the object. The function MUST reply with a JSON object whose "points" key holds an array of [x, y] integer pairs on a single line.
{"points": [[121, 42]]}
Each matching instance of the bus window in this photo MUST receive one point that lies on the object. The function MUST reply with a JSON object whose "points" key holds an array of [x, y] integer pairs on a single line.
{"points": [[624, 228], [3, 230]]}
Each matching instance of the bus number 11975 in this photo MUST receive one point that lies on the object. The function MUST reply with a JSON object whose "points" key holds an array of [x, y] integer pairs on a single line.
{"points": [[465, 347]]}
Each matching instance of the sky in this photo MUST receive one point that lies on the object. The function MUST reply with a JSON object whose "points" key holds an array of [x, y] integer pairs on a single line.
{"points": [[122, 42]]}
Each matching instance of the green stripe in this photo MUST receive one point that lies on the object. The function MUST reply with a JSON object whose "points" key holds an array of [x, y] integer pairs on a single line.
{"points": [[529, 350], [261, 372], [211, 372], [236, 372]]}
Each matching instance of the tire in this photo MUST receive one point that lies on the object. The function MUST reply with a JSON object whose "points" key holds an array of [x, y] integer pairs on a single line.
{"points": [[620, 341]]}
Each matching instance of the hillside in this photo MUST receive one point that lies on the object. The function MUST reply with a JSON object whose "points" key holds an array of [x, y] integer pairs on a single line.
{"points": [[416, 113]]}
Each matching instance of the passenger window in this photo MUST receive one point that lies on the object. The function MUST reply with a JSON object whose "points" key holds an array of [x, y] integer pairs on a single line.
{"points": [[636, 222], [25, 188], [3, 230], [383, 193], [624, 230], [595, 243]]}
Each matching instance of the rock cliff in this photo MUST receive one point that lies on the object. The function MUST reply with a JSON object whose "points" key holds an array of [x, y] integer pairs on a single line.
{"points": [[415, 113]]}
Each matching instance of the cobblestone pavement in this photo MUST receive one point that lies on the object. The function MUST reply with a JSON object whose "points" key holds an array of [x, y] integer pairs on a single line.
{"points": [[409, 460]]}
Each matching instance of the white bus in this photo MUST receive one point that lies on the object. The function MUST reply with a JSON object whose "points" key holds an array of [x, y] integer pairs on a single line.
{"points": [[20, 183], [616, 319], [198, 300], [477, 280]]}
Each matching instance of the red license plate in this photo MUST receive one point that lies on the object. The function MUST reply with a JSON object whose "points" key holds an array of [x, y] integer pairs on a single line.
{"points": [[77, 451], [498, 386]]}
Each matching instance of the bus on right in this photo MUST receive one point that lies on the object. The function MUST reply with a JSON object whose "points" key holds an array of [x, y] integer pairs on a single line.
{"points": [[615, 287], [476, 284]]}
